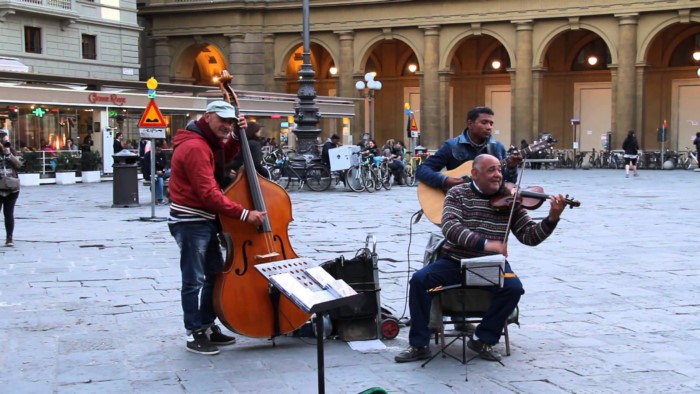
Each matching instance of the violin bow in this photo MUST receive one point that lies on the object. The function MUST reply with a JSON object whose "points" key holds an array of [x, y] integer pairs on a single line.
{"points": [[512, 208]]}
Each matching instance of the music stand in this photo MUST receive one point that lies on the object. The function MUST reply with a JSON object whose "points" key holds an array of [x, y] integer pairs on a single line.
{"points": [[311, 291]]}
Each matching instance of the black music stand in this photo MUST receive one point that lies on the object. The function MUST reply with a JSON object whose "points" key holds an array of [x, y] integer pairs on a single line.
{"points": [[311, 291]]}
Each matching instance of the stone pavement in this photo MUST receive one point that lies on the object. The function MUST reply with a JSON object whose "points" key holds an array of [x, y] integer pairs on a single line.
{"points": [[89, 297]]}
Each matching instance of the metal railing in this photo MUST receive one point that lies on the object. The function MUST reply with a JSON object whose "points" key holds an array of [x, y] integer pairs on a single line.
{"points": [[62, 4]]}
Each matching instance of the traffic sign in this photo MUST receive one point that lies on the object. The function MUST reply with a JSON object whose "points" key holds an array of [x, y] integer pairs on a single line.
{"points": [[152, 117], [152, 132], [414, 124]]}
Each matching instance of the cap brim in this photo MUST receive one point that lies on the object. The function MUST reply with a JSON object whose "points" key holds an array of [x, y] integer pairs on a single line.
{"points": [[228, 114]]}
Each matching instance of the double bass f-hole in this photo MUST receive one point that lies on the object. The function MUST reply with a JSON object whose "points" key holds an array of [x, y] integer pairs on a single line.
{"points": [[246, 255]]}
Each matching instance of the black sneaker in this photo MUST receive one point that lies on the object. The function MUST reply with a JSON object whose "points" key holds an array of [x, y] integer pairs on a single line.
{"points": [[413, 353], [216, 337], [485, 351], [197, 342]]}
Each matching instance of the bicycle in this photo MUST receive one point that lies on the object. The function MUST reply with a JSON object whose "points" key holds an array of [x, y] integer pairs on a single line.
{"points": [[357, 177], [380, 172], [314, 174], [409, 170]]}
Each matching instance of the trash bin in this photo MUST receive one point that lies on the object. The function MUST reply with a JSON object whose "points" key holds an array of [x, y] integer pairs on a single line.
{"points": [[125, 187], [420, 150]]}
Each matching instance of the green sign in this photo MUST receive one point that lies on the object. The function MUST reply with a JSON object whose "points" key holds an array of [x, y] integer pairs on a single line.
{"points": [[39, 112]]}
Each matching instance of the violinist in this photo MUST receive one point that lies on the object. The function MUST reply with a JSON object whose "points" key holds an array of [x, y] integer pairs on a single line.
{"points": [[474, 140], [473, 228], [200, 152]]}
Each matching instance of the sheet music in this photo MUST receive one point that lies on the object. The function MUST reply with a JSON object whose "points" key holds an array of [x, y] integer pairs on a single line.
{"points": [[485, 270], [306, 284], [295, 289]]}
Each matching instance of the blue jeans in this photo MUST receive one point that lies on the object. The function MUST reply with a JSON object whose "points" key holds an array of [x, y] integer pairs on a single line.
{"points": [[447, 272], [160, 183], [200, 262]]}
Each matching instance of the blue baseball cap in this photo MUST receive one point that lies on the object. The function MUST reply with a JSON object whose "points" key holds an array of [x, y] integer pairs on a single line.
{"points": [[223, 109]]}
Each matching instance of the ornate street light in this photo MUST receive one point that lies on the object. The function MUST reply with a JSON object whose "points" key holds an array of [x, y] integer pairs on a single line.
{"points": [[306, 112], [367, 90]]}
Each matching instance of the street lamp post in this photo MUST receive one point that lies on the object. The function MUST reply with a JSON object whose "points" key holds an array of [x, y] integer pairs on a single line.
{"points": [[367, 90], [306, 114]]}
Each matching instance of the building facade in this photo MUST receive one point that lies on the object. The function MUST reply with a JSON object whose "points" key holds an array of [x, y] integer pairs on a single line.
{"points": [[78, 38], [613, 65]]}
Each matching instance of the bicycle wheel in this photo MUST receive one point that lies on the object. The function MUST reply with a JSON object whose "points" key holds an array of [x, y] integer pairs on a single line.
{"points": [[354, 180], [285, 177], [368, 179], [386, 176], [275, 172], [409, 178], [376, 175], [318, 178]]}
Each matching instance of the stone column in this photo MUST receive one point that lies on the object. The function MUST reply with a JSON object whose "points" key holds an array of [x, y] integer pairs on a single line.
{"points": [[346, 85], [614, 72], [431, 134], [625, 114], [162, 59], [536, 103], [522, 121], [446, 105], [269, 61], [236, 64], [639, 107]]}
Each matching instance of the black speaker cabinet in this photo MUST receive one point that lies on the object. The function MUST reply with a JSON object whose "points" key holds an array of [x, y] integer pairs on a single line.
{"points": [[359, 320]]}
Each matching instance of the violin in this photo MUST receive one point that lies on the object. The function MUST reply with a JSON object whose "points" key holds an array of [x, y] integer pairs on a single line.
{"points": [[531, 197]]}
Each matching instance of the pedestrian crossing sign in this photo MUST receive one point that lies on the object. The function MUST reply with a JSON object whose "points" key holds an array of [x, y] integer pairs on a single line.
{"points": [[152, 117]]}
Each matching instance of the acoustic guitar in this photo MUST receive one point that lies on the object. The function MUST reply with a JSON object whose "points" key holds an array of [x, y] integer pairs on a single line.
{"points": [[432, 199]]}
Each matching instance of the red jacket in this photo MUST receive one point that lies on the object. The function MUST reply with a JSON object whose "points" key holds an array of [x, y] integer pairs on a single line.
{"points": [[193, 186]]}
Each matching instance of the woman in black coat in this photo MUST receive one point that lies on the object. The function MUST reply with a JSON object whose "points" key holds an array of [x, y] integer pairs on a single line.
{"points": [[631, 147], [253, 133]]}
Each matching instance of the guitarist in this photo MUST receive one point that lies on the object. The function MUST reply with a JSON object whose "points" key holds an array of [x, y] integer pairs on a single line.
{"points": [[474, 140]]}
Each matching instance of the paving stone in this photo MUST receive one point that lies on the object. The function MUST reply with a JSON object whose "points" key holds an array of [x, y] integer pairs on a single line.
{"points": [[609, 304]]}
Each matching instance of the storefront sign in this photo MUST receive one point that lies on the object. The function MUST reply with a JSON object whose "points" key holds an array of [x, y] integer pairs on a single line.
{"points": [[95, 98]]}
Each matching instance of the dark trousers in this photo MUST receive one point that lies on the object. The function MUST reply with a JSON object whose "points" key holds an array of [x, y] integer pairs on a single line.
{"points": [[447, 272], [7, 205]]}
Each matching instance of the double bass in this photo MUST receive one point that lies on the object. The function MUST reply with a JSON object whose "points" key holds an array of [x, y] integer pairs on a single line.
{"points": [[244, 300]]}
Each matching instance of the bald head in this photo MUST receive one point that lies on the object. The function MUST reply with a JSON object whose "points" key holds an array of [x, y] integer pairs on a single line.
{"points": [[486, 173], [484, 160]]}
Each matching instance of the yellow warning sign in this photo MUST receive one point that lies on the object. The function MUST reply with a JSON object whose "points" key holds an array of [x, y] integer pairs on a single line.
{"points": [[414, 124], [151, 116]]}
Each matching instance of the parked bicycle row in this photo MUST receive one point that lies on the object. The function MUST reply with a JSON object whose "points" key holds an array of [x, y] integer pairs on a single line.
{"points": [[564, 158]]}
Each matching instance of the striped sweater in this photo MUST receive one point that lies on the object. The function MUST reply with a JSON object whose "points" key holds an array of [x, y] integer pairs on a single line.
{"points": [[468, 221]]}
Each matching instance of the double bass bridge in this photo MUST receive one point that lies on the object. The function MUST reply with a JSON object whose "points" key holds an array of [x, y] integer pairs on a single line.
{"points": [[266, 256]]}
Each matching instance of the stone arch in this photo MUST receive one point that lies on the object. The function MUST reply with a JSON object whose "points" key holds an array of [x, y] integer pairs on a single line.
{"points": [[292, 47], [453, 45], [185, 59], [368, 48], [541, 52], [654, 32]]}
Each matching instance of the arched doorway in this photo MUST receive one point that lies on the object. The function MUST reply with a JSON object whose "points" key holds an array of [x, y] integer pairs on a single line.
{"points": [[325, 70], [576, 83], [672, 87], [396, 66], [199, 64], [480, 76]]}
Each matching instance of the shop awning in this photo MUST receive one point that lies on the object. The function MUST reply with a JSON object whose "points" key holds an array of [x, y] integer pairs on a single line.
{"points": [[12, 64]]}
